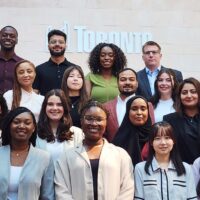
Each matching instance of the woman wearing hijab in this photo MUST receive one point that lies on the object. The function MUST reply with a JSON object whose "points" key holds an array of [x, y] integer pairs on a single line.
{"points": [[135, 128]]}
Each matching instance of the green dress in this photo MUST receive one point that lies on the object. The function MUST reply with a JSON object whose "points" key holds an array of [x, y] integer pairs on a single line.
{"points": [[103, 90]]}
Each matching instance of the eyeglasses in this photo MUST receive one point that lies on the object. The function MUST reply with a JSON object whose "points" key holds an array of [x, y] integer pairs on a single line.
{"points": [[56, 41], [151, 52], [91, 119]]}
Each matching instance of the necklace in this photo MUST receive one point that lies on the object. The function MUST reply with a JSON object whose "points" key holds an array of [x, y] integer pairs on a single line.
{"points": [[76, 100], [20, 153]]}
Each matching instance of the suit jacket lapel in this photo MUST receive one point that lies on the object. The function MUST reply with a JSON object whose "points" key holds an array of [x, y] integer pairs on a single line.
{"points": [[145, 82]]}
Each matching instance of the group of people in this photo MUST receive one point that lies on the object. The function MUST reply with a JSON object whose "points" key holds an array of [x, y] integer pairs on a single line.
{"points": [[112, 134]]}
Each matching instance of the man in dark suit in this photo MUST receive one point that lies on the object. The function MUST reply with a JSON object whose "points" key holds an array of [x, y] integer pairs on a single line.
{"points": [[146, 77]]}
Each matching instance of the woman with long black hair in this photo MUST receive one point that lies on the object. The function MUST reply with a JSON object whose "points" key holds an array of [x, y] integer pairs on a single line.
{"points": [[163, 175]]}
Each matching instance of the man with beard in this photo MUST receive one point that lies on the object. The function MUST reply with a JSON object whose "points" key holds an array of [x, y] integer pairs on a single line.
{"points": [[127, 85], [49, 74], [8, 58]]}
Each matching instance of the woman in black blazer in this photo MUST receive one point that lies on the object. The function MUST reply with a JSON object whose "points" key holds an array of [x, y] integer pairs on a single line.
{"points": [[186, 120]]}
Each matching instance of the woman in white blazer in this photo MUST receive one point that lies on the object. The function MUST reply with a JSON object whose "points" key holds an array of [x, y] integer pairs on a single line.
{"points": [[55, 133], [94, 169], [25, 171]]}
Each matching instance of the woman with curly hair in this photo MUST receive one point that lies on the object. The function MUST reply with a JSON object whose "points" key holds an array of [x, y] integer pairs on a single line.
{"points": [[105, 61], [55, 133]]}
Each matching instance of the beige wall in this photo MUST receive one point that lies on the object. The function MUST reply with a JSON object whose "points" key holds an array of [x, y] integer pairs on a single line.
{"points": [[173, 24]]}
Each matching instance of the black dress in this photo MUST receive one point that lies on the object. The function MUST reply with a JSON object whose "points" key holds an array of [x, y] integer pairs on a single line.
{"points": [[75, 115], [187, 132]]}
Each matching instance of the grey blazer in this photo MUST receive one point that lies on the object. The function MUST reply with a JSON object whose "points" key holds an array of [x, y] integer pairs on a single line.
{"points": [[36, 179], [143, 82]]}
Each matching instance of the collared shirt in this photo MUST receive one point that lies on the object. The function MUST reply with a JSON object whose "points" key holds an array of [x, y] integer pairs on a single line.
{"points": [[7, 72], [121, 108], [49, 75], [152, 77], [163, 184]]}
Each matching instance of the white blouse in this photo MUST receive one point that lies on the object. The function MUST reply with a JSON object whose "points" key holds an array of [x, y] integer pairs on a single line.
{"points": [[15, 172], [30, 100], [163, 107]]}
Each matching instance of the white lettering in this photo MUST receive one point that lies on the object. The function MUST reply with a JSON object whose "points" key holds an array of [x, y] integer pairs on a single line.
{"points": [[129, 42]]}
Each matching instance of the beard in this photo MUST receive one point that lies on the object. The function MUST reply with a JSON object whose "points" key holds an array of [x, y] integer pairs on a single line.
{"points": [[57, 54], [127, 93]]}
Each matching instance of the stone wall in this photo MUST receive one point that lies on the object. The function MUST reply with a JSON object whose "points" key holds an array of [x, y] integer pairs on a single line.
{"points": [[173, 24]]}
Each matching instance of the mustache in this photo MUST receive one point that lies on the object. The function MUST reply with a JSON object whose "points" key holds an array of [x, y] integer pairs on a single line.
{"points": [[128, 85]]}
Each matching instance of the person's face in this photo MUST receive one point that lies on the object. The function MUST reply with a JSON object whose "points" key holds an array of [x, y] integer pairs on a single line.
{"points": [[22, 127], [164, 84], [8, 38], [107, 57], [189, 96], [138, 113], [57, 45], [127, 83], [151, 56], [94, 124], [25, 75], [74, 80], [162, 145], [54, 109]]}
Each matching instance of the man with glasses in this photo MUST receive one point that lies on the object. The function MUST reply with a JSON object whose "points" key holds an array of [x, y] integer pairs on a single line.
{"points": [[146, 77], [49, 74]]}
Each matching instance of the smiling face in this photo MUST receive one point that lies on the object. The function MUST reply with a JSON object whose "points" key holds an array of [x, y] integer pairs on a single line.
{"points": [[25, 75], [54, 109], [21, 128], [138, 113], [189, 96], [8, 38], [162, 143], [94, 124], [127, 83], [74, 80], [164, 84], [107, 57], [57, 45]]}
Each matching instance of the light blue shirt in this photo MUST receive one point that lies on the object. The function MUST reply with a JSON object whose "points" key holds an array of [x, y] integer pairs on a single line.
{"points": [[152, 77], [163, 184]]}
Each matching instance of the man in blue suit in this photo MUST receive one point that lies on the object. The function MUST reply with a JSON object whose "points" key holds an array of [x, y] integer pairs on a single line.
{"points": [[146, 77]]}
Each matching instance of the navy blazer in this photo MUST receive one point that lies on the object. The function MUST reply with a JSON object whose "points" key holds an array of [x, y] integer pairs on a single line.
{"points": [[189, 147], [143, 82]]}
